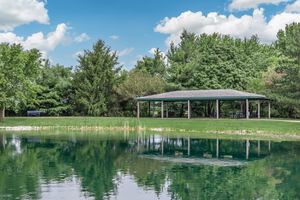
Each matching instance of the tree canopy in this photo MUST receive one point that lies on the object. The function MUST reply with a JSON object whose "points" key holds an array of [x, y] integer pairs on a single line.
{"points": [[154, 66], [98, 86], [18, 72], [216, 61], [286, 84], [94, 79]]}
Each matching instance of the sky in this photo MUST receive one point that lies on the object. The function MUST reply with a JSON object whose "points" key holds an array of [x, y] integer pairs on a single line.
{"points": [[62, 30]]}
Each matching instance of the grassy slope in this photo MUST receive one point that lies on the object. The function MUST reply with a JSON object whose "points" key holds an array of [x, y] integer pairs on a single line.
{"points": [[199, 125]]}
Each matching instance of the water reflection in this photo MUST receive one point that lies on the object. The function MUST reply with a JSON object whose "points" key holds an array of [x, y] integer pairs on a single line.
{"points": [[204, 148], [145, 166]]}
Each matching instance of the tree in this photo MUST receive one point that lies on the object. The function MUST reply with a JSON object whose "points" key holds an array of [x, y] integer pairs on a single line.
{"points": [[18, 72], [95, 79], [137, 83], [55, 88], [216, 61], [154, 66], [286, 84]]}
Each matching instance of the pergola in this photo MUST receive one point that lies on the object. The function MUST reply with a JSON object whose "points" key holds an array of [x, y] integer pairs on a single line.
{"points": [[205, 95]]}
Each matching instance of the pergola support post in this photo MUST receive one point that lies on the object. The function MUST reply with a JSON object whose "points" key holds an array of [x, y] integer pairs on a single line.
{"points": [[269, 108], [247, 108], [189, 109], [217, 148], [217, 109], [162, 146], [189, 146], [258, 109], [258, 147], [167, 110], [162, 109], [247, 149], [138, 110]]}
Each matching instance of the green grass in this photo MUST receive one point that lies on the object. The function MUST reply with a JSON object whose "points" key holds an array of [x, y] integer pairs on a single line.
{"points": [[179, 125]]}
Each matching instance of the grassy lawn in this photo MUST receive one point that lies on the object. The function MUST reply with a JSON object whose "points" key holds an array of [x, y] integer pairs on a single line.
{"points": [[181, 125]]}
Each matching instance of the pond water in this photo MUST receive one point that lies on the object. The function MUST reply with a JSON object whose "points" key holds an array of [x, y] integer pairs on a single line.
{"points": [[146, 166]]}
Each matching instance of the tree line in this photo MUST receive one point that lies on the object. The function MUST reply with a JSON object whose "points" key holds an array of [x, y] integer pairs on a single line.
{"points": [[99, 86]]}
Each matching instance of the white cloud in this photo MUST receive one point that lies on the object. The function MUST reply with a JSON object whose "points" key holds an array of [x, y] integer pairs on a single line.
{"points": [[294, 7], [17, 12], [78, 53], [44, 43], [114, 37], [152, 51], [139, 57], [163, 54], [82, 38], [239, 27], [11, 38], [248, 4], [125, 52]]}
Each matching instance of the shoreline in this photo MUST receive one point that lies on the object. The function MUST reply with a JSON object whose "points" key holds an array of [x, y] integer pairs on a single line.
{"points": [[140, 129]]}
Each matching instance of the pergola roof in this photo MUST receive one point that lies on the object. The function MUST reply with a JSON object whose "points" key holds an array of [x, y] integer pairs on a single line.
{"points": [[222, 94]]}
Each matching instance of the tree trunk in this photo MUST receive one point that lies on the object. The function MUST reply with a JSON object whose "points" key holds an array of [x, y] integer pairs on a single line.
{"points": [[2, 113]]}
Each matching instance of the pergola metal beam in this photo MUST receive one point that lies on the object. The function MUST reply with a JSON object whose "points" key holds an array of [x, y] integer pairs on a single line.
{"points": [[258, 109], [217, 109], [138, 110], [162, 109], [269, 108], [189, 109], [247, 108]]}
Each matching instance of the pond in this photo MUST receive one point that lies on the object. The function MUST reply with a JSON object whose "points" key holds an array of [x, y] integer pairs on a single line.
{"points": [[146, 166]]}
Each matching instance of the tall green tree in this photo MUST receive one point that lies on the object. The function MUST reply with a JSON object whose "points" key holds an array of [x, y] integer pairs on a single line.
{"points": [[95, 79], [55, 89], [286, 85], [18, 72], [155, 65], [216, 61]]}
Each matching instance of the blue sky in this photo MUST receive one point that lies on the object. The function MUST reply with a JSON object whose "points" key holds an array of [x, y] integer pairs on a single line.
{"points": [[62, 29]]}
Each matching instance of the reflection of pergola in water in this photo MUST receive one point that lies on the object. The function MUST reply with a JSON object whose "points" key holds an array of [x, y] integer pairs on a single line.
{"points": [[212, 96], [211, 148]]}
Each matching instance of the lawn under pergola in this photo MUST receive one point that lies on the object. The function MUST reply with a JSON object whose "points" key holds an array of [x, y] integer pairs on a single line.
{"points": [[212, 96]]}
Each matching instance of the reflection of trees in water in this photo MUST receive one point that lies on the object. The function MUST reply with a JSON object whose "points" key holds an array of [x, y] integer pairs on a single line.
{"points": [[18, 175], [149, 174], [202, 182], [270, 178], [284, 169], [92, 162], [96, 163]]}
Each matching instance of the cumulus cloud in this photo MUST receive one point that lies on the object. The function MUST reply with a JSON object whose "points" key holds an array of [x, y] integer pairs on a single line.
{"points": [[82, 38], [152, 51], [239, 27], [125, 52], [114, 37], [248, 4], [18, 12], [78, 53], [44, 43], [294, 7], [163, 54]]}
